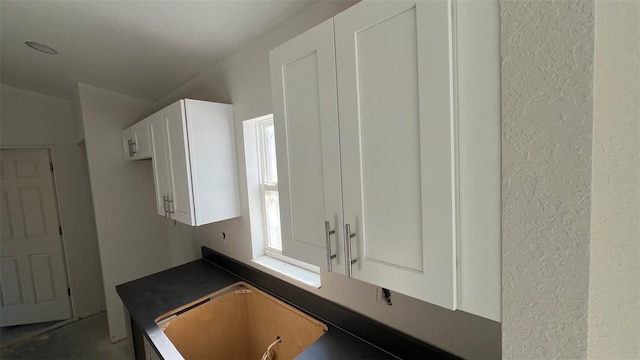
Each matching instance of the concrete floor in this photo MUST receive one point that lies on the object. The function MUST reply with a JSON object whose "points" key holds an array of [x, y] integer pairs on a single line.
{"points": [[86, 339], [13, 334]]}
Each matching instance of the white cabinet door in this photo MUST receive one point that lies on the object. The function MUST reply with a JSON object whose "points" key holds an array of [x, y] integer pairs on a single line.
{"points": [[181, 201], [127, 143], [160, 159], [303, 77], [142, 147], [135, 140], [397, 145]]}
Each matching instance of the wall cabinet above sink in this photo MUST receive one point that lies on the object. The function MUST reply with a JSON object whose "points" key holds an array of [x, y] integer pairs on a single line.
{"points": [[381, 173], [387, 133]]}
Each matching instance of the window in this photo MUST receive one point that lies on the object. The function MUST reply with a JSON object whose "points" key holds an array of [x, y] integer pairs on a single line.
{"points": [[264, 206], [269, 184]]}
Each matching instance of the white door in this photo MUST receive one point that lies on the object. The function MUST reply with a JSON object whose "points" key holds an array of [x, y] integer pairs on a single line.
{"points": [[181, 201], [32, 268], [303, 77], [396, 131], [160, 160]]}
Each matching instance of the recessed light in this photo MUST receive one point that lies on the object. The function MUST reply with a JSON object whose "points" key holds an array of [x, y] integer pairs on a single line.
{"points": [[41, 47]]}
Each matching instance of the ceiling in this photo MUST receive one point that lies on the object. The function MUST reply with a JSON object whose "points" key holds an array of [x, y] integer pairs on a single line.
{"points": [[143, 49]]}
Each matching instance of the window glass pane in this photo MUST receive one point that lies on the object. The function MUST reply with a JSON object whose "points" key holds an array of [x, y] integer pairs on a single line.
{"points": [[271, 171], [272, 210]]}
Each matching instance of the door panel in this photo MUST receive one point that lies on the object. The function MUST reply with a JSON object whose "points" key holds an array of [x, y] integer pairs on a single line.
{"points": [[160, 160], [182, 203], [395, 101], [141, 139], [302, 111], [11, 289], [31, 204], [5, 226], [390, 134], [42, 277], [34, 280], [306, 124]]}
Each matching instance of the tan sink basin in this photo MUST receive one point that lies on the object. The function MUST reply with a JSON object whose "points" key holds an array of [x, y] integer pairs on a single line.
{"points": [[239, 322]]}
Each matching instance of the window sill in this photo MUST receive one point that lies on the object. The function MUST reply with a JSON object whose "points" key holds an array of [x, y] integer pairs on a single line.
{"points": [[305, 276]]}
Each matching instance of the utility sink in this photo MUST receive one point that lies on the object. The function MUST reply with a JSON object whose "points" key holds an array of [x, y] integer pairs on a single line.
{"points": [[240, 322]]}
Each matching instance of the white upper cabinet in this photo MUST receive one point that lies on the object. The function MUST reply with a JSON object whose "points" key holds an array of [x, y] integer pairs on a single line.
{"points": [[135, 141], [161, 169], [395, 100], [374, 137], [194, 162], [382, 172], [303, 77]]}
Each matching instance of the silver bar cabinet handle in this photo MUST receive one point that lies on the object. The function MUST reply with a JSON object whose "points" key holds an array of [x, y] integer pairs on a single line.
{"points": [[347, 249], [169, 205], [134, 147], [130, 148], [327, 236], [164, 204]]}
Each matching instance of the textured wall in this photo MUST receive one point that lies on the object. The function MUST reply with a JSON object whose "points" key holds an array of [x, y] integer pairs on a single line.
{"points": [[614, 282], [547, 77]]}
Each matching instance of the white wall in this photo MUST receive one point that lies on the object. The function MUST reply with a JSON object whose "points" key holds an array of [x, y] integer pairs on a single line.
{"points": [[76, 109], [547, 102], [131, 236], [244, 80], [614, 282], [31, 119]]}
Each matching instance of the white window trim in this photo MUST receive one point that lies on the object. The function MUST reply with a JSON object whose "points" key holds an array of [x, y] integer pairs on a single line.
{"points": [[263, 190], [271, 259]]}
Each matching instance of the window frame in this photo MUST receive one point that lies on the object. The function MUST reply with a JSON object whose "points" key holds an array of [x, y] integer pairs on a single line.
{"points": [[265, 185], [263, 254]]}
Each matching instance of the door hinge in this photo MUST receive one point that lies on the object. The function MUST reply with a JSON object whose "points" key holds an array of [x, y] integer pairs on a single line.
{"points": [[51, 166], [69, 291], [60, 229]]}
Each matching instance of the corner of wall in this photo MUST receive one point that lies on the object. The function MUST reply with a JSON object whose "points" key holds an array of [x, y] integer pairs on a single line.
{"points": [[547, 113], [614, 281]]}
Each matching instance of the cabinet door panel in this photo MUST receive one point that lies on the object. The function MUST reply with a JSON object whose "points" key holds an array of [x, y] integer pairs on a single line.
{"points": [[395, 103], [141, 139], [160, 159], [127, 138], [181, 201], [306, 123]]}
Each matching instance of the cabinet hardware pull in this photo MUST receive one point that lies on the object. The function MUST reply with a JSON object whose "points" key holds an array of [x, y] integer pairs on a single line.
{"points": [[164, 204], [129, 143], [170, 206], [327, 235], [347, 249], [134, 147]]}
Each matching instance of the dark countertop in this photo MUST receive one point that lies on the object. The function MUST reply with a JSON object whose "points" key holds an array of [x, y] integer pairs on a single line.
{"points": [[150, 297]]}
